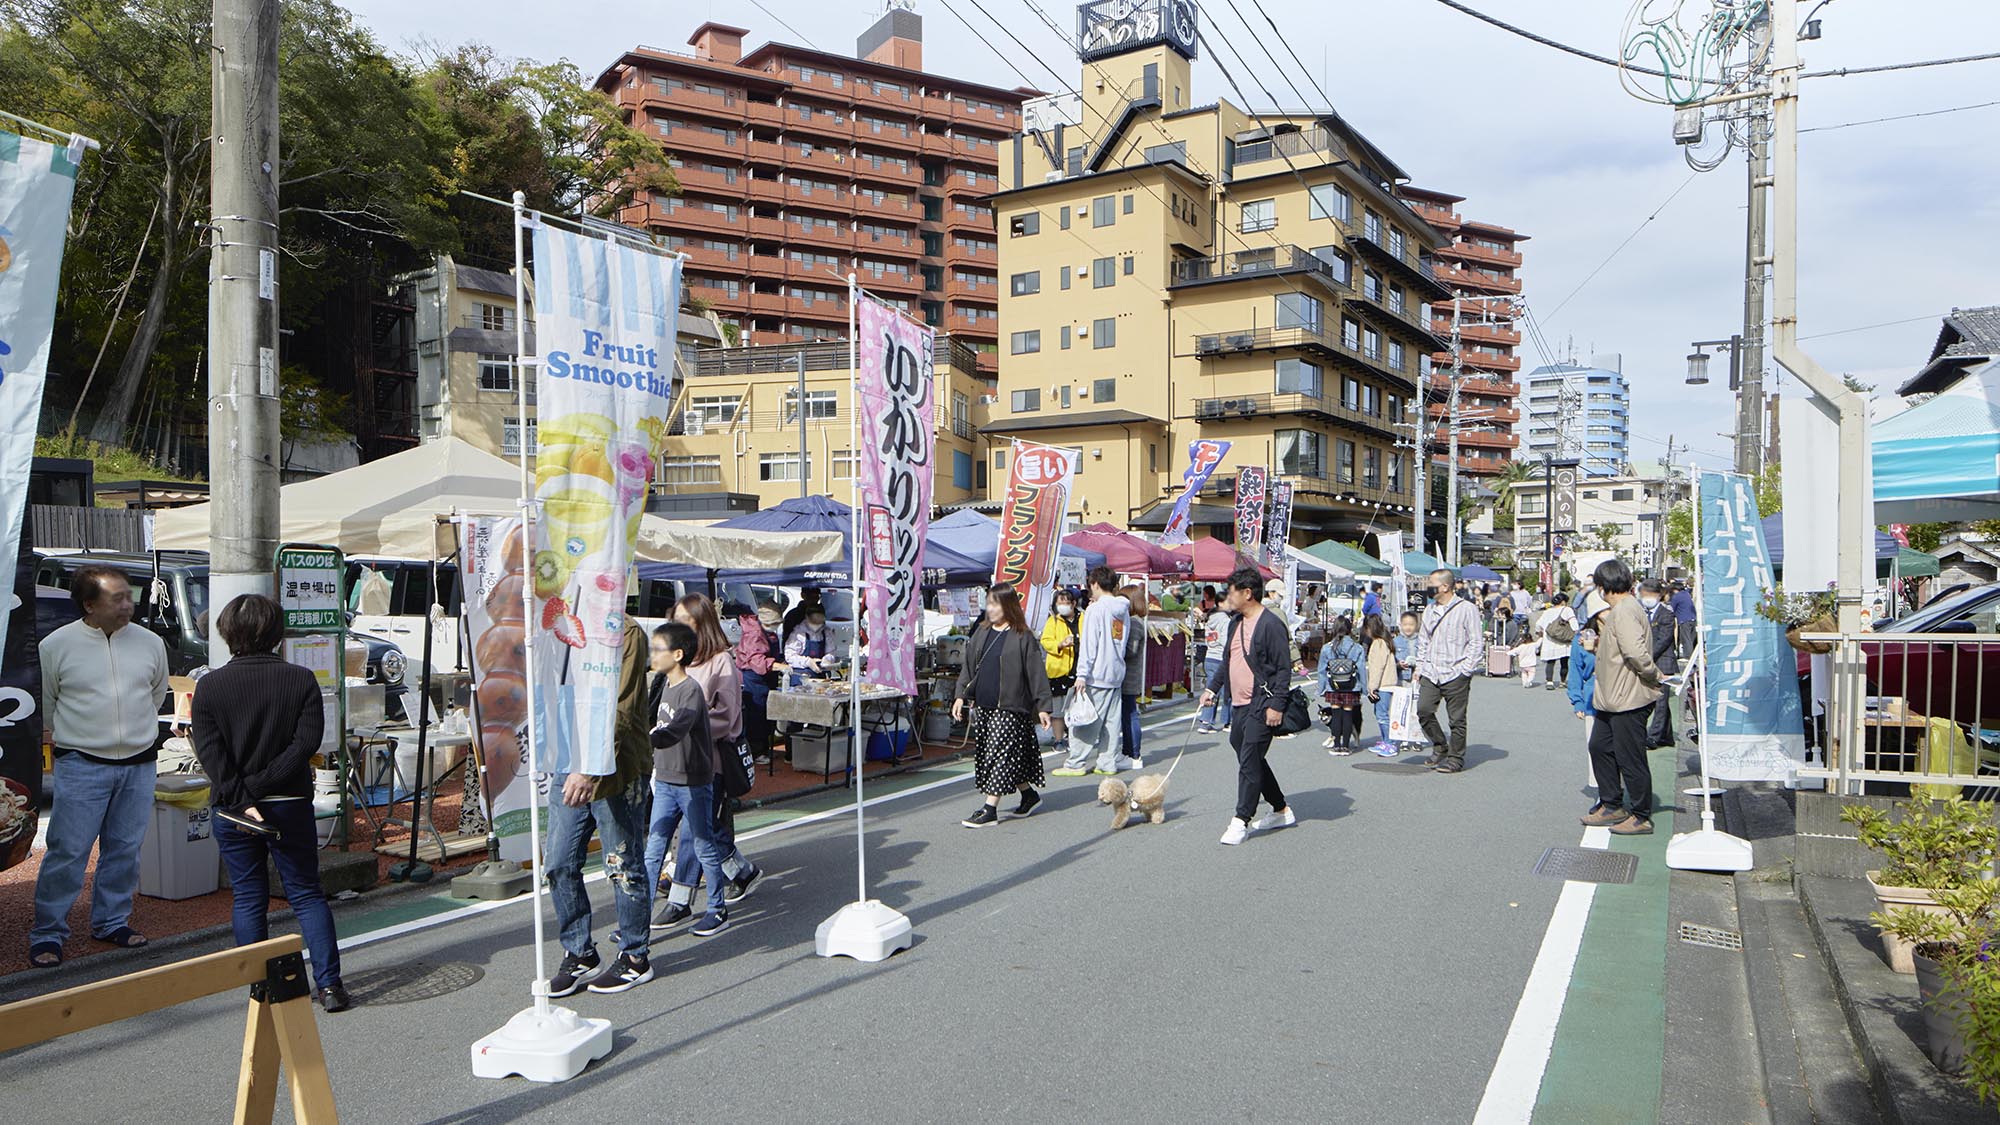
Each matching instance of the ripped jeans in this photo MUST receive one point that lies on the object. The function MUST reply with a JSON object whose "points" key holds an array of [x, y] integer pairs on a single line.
{"points": [[620, 820]]}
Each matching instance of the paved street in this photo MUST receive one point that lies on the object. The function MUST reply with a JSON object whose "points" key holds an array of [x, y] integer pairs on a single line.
{"points": [[1365, 965]]}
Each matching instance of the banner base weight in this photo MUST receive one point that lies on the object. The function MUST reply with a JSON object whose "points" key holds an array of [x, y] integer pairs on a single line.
{"points": [[865, 931], [1709, 850], [549, 1046]]}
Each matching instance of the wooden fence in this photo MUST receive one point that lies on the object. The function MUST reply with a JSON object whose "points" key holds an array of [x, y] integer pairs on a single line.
{"points": [[104, 529]]}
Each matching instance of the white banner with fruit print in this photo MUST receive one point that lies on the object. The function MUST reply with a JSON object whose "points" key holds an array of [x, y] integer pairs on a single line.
{"points": [[605, 320]]}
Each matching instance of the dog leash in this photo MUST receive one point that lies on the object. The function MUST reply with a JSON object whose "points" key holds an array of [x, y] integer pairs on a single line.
{"points": [[1193, 722]]}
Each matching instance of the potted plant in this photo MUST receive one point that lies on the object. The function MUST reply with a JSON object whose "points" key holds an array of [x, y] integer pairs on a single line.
{"points": [[1958, 978], [1931, 846], [1810, 612]]}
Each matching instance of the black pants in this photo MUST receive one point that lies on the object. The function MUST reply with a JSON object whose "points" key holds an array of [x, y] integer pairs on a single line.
{"points": [[1456, 696], [1251, 737], [1618, 759], [1550, 668], [1660, 728]]}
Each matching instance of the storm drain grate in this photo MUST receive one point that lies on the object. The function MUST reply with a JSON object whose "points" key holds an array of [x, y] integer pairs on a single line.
{"points": [[1696, 934], [1392, 767], [405, 984], [1588, 865]]}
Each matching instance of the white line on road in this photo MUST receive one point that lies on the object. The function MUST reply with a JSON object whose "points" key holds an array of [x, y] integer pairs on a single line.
{"points": [[1516, 1080]]}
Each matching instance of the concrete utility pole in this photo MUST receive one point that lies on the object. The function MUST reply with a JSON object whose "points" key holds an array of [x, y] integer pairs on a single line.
{"points": [[1422, 408], [243, 307], [1756, 258], [1457, 374], [805, 476], [1660, 553]]}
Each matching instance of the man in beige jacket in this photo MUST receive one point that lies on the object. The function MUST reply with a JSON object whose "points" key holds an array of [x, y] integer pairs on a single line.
{"points": [[1628, 684]]}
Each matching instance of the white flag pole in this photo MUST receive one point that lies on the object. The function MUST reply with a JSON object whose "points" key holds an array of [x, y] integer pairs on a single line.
{"points": [[1707, 848]]}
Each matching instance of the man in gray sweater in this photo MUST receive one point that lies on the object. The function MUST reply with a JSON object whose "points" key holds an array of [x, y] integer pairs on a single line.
{"points": [[1100, 677]]}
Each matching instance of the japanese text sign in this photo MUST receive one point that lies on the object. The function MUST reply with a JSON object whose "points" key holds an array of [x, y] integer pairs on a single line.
{"points": [[893, 376]]}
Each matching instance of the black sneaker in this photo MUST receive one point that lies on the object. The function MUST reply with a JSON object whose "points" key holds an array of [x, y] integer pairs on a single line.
{"points": [[986, 815], [1029, 799], [671, 916], [713, 923], [334, 998], [629, 971], [739, 889], [574, 974]]}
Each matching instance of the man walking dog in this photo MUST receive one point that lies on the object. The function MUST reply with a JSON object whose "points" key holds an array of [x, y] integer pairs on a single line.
{"points": [[1256, 675]]}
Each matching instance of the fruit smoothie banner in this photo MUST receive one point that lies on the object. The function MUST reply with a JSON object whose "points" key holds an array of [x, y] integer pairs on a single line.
{"points": [[1031, 524], [893, 379], [1204, 457], [36, 182], [1251, 481], [605, 319]]}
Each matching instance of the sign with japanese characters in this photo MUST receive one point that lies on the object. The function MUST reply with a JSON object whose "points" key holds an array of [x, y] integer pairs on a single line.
{"points": [[1565, 476], [309, 589], [893, 377], [1204, 456], [1031, 523], [1252, 482], [1278, 526], [1751, 723]]}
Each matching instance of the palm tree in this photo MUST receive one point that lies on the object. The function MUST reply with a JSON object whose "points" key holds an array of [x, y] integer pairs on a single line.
{"points": [[1516, 472]]}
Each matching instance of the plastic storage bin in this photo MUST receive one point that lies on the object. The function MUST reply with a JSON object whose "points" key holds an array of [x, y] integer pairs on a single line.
{"points": [[178, 858]]}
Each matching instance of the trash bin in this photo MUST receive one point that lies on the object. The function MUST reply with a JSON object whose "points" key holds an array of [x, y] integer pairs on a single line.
{"points": [[178, 858]]}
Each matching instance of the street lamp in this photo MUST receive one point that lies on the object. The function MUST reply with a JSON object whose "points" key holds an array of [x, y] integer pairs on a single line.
{"points": [[1698, 361], [1697, 368]]}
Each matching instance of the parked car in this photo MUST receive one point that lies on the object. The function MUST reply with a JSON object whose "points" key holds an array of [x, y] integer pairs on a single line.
{"points": [[1958, 680]]}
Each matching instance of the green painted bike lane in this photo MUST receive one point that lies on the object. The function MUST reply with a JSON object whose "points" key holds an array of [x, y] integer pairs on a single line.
{"points": [[1605, 1064]]}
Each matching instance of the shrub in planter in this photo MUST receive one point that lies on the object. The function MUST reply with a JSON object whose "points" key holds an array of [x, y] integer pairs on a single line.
{"points": [[1930, 846], [1958, 951]]}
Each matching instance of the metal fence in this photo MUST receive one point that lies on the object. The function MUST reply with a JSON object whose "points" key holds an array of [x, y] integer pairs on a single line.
{"points": [[1911, 708]]}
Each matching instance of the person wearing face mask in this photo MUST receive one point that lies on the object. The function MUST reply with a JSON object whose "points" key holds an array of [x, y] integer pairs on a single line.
{"points": [[1628, 684], [805, 648], [1660, 618], [1059, 661], [1450, 652], [1007, 683], [756, 660], [1215, 715]]}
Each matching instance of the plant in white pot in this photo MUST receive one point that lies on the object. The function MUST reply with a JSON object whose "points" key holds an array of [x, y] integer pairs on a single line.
{"points": [[1957, 950], [1932, 846]]}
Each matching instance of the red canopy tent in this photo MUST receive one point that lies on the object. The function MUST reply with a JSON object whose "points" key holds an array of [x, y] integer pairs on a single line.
{"points": [[1214, 560], [1128, 553]]}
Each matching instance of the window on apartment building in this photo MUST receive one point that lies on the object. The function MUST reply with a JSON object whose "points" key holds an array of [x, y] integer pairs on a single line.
{"points": [[688, 469], [1104, 211], [1371, 225], [1371, 401], [1337, 263], [510, 436], [1063, 396], [1395, 298], [1104, 332], [1062, 277], [961, 411], [1621, 494], [1021, 401], [1395, 355], [1298, 310], [1371, 285], [493, 318], [1026, 343], [1297, 377], [1350, 333], [819, 405], [1128, 203], [1343, 460], [1024, 224], [1104, 390], [713, 409], [496, 372], [1064, 334], [1396, 472], [1350, 392], [1062, 216], [1259, 214], [1073, 162], [1371, 467], [1395, 242], [1128, 260], [1103, 272], [1330, 202], [1300, 453], [1022, 284], [782, 466], [1371, 343], [999, 460], [845, 464]]}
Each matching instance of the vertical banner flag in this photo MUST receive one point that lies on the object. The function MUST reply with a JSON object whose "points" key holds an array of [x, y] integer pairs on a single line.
{"points": [[1278, 527], [1390, 543], [1250, 487], [1753, 728], [893, 377], [20, 716], [1031, 523], [492, 557], [36, 181], [606, 314], [1565, 498], [1204, 456]]}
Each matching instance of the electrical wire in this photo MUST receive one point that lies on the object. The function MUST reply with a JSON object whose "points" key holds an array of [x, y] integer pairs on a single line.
{"points": [[789, 27], [1622, 245], [1871, 327], [1847, 71], [1898, 117]]}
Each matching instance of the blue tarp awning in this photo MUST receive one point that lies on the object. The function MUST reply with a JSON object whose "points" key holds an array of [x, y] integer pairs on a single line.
{"points": [[1939, 461], [942, 566], [977, 536]]}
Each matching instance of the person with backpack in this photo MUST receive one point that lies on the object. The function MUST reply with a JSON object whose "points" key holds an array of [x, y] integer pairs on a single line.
{"points": [[1557, 626], [1341, 682]]}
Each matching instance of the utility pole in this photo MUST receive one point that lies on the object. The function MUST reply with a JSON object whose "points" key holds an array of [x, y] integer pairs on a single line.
{"points": [[805, 475], [1756, 257], [243, 306], [1659, 559], [1457, 373], [1422, 409]]}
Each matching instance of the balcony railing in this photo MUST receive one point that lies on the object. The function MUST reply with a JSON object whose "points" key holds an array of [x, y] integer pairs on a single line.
{"points": [[1261, 405], [1244, 264], [1304, 143]]}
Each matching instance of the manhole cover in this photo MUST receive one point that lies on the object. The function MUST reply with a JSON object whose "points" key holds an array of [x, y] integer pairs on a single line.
{"points": [[1696, 934], [404, 984], [1588, 865], [1392, 767]]}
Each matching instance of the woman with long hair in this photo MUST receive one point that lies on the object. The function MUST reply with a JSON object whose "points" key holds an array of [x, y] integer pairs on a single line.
{"points": [[1007, 683], [1059, 645], [1381, 677], [1343, 675], [714, 668], [1135, 671]]}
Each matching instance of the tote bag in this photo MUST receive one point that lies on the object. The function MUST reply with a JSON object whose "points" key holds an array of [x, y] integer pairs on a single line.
{"points": [[1403, 724]]}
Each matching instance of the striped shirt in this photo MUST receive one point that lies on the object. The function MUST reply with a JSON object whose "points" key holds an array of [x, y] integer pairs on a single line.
{"points": [[1449, 643]]}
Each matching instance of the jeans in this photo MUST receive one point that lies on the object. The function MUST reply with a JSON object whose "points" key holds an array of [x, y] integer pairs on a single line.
{"points": [[687, 855], [1215, 714], [695, 804], [95, 803], [1456, 695], [295, 853], [620, 821], [1618, 759], [1250, 735], [1132, 732], [1555, 673], [1382, 717], [1102, 737]]}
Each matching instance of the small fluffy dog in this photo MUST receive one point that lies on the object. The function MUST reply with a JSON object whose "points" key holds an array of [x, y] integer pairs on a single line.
{"points": [[1145, 797]]}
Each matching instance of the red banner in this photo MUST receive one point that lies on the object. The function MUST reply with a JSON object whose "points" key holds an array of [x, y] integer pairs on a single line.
{"points": [[1031, 524]]}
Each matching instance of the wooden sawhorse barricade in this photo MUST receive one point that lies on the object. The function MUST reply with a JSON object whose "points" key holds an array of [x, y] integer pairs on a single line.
{"points": [[281, 1027]]}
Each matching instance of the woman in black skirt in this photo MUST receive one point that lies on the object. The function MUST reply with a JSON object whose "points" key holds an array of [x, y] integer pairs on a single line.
{"points": [[1007, 683]]}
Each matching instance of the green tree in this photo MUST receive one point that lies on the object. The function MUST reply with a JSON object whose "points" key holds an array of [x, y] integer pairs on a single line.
{"points": [[1607, 536], [1514, 475]]}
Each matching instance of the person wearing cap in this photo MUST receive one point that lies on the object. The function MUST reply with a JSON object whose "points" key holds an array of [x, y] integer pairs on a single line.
{"points": [[1628, 685]]}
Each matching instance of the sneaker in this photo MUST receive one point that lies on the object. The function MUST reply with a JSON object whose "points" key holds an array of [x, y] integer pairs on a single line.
{"points": [[986, 815], [1105, 772], [713, 923], [1383, 750], [739, 889], [629, 971], [1124, 763], [1138, 763], [334, 998], [671, 917], [1283, 818], [1329, 743], [1633, 826], [574, 973], [1067, 771], [1341, 751], [1029, 799], [1602, 815], [1237, 831]]}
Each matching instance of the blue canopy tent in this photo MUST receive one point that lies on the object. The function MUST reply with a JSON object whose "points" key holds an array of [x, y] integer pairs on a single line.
{"points": [[942, 566], [978, 537], [1417, 564], [1474, 572], [1939, 461], [1886, 547]]}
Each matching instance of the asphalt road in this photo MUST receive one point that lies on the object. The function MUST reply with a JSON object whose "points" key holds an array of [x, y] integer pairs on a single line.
{"points": [[1362, 966]]}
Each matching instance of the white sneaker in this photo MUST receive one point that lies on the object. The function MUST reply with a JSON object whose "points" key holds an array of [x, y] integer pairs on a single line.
{"points": [[1272, 820], [1328, 744], [1124, 763], [1237, 831]]}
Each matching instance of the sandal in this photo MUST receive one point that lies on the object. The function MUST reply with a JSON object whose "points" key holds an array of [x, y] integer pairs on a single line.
{"points": [[45, 954], [125, 937]]}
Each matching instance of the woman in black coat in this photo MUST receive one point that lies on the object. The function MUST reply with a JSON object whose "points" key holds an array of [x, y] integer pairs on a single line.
{"points": [[1006, 679], [257, 723]]}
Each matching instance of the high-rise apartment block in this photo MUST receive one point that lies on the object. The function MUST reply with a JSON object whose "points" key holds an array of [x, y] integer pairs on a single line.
{"points": [[1482, 265], [1179, 268], [798, 166], [1582, 412]]}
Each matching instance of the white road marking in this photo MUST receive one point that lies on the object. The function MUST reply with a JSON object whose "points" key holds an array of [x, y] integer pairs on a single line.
{"points": [[1516, 1080]]}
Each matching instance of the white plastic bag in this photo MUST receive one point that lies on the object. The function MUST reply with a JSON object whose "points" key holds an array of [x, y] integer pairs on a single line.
{"points": [[1403, 724]]}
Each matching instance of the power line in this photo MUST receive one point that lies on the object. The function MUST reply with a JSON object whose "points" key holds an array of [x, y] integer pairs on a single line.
{"points": [[789, 27], [1621, 246], [1845, 71], [1898, 117], [1280, 36], [1870, 327]]}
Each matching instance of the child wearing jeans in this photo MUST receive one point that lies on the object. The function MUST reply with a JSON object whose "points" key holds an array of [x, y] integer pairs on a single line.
{"points": [[685, 773]]}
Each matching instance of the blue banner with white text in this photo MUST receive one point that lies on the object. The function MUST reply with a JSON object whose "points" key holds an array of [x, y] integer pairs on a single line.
{"points": [[1204, 457], [1752, 728]]}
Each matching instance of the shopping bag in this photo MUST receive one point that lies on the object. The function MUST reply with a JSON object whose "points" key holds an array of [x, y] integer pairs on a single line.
{"points": [[1403, 725], [1082, 711]]}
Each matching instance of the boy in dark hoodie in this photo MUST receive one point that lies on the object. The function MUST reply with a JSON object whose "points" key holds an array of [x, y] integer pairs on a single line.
{"points": [[685, 769]]}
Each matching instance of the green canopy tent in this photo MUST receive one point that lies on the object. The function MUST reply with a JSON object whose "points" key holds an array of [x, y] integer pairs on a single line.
{"points": [[1911, 563], [1417, 563], [1340, 554]]}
